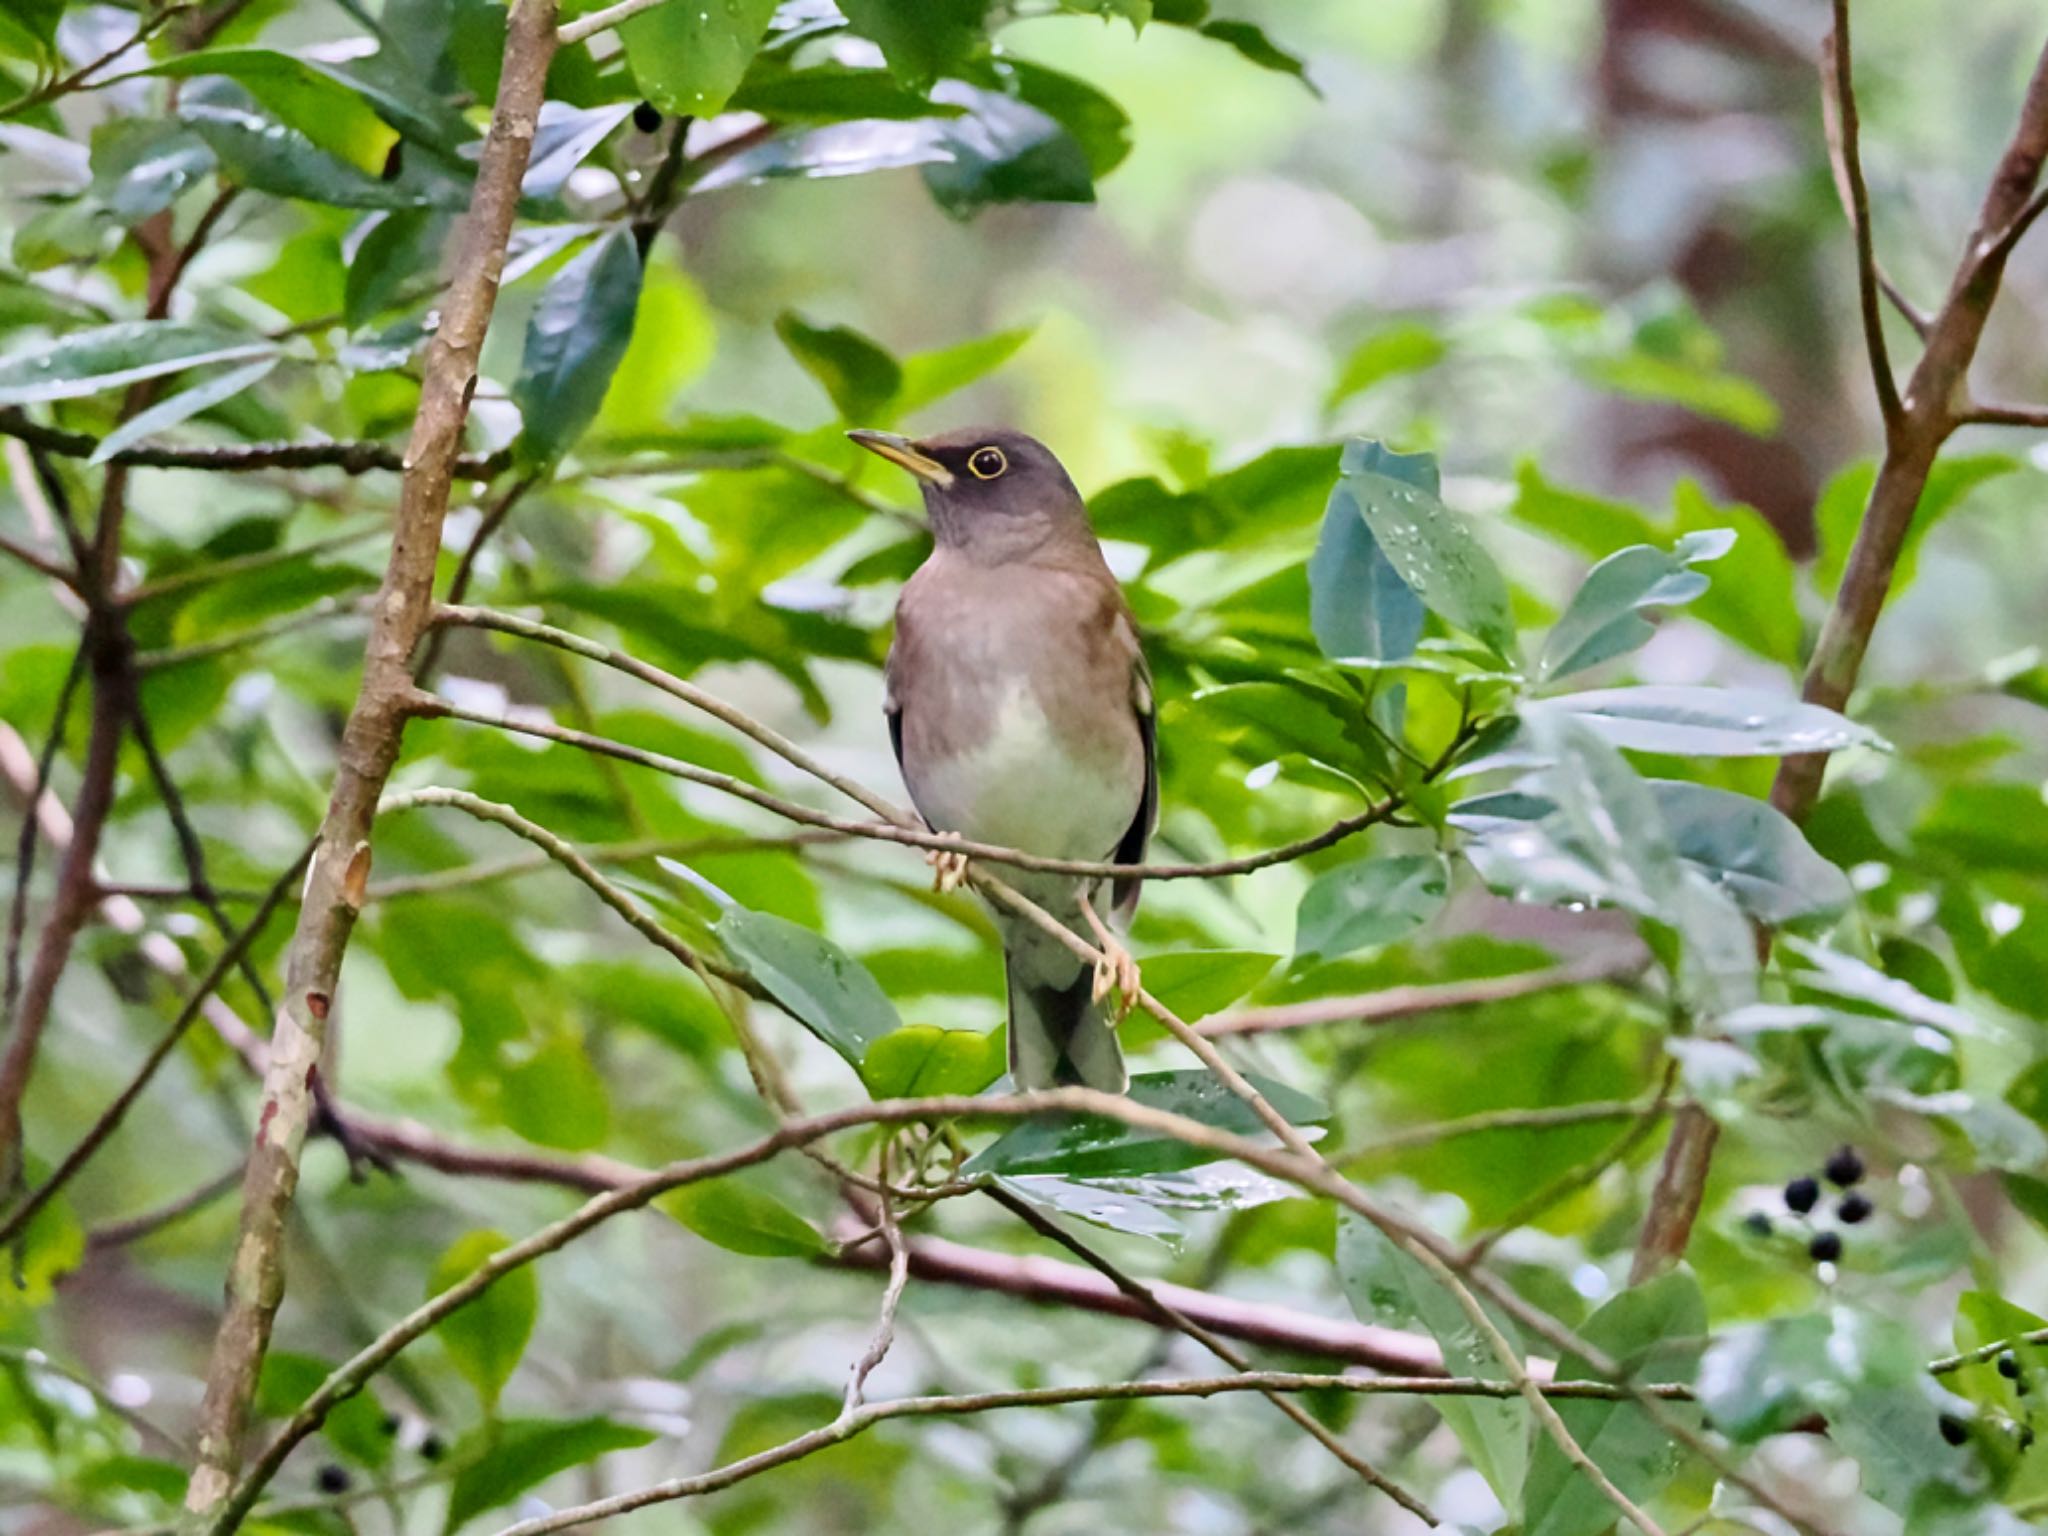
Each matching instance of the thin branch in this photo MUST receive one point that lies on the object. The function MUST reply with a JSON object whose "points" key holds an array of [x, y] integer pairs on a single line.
{"points": [[892, 1295], [685, 848], [42, 565], [1545, 1119], [1838, 111], [111, 1117], [897, 825], [64, 85], [465, 568], [847, 1426], [1910, 312], [1407, 1002], [312, 614], [1229, 1354], [594, 22], [132, 1229], [353, 458], [2034, 417], [31, 825], [241, 565], [338, 878]]}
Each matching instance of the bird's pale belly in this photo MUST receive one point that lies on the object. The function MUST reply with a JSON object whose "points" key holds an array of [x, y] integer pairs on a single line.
{"points": [[1023, 787]]}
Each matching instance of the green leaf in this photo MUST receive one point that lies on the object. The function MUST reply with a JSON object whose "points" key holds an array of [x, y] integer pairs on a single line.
{"points": [[141, 167], [1252, 44], [30, 27], [1761, 1379], [689, 59], [1358, 604], [828, 991], [1656, 1331], [1390, 1287], [1839, 512], [860, 377], [1080, 1146], [743, 1219], [1431, 548], [1987, 827], [1003, 150], [1146, 1205], [1604, 619], [504, 1459], [107, 357], [1408, 346], [400, 248], [1752, 851], [182, 406], [1368, 903], [486, 1338], [257, 152], [556, 1097], [1195, 983], [920, 39], [932, 376], [328, 109], [922, 1060], [579, 332], [1686, 721]]}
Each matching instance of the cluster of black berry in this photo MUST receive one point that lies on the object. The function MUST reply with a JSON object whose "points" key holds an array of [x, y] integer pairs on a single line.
{"points": [[333, 1478], [1844, 1169], [2018, 1423]]}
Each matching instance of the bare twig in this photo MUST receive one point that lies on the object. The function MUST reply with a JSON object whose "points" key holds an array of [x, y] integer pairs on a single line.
{"points": [[1548, 1118], [1838, 110], [1407, 1002], [339, 875], [2030, 416], [354, 458], [31, 825], [465, 568], [892, 1295], [42, 565], [132, 1229]]}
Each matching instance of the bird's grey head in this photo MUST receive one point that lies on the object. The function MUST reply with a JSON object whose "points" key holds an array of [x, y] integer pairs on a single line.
{"points": [[994, 494]]}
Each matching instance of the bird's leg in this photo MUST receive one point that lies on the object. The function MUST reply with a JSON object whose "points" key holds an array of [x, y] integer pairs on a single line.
{"points": [[949, 867], [1116, 969]]}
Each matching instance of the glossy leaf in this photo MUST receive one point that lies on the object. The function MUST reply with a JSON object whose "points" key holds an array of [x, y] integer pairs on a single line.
{"points": [[107, 357], [1153, 1205], [1430, 547], [486, 1338], [258, 152], [830, 993], [1359, 606], [1195, 983], [1392, 1288], [1604, 619], [329, 109], [921, 40], [1656, 1331], [742, 1218], [921, 1060], [1003, 150], [504, 1459], [182, 406], [1368, 903], [579, 332], [1688, 721], [690, 58], [1092, 1146], [401, 249]]}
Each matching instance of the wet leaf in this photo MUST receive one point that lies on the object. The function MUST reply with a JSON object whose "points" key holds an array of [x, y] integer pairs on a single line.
{"points": [[1712, 722], [690, 58], [1604, 619], [182, 406], [1368, 903], [107, 357], [830, 993]]}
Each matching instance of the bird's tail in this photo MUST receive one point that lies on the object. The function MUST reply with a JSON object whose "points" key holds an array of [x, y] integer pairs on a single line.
{"points": [[1059, 1036]]}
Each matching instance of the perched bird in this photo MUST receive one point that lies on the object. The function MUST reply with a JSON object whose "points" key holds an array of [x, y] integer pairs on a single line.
{"points": [[1021, 712]]}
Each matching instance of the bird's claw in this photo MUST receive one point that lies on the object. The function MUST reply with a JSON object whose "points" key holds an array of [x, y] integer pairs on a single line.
{"points": [[1117, 971], [949, 868]]}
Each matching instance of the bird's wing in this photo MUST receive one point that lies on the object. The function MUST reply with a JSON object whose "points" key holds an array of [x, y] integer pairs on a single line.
{"points": [[1132, 849]]}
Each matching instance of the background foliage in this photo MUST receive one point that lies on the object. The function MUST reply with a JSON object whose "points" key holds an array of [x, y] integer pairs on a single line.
{"points": [[1413, 358]]}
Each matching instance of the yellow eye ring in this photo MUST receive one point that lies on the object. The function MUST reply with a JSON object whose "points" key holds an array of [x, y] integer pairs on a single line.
{"points": [[987, 463]]}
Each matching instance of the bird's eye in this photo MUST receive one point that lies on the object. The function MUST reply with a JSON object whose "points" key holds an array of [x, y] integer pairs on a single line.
{"points": [[987, 463]]}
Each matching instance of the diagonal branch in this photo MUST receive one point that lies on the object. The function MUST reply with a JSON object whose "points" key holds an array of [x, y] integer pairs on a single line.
{"points": [[337, 880], [1838, 112]]}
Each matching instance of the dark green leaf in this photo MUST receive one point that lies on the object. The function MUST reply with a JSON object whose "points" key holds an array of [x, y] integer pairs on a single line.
{"points": [[328, 110], [579, 331], [830, 993], [1003, 150], [1656, 1331], [1092, 1146], [921, 39], [1359, 606], [690, 58], [1368, 903], [486, 1337], [1430, 547], [556, 1096], [1752, 851], [1253, 44], [1604, 619], [142, 167], [743, 1219], [270, 157], [354, 1426], [109, 356], [860, 377], [400, 249], [506, 1458]]}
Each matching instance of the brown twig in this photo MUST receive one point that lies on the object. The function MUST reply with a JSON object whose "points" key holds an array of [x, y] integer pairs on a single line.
{"points": [[338, 878], [31, 825], [465, 568], [1838, 111], [1407, 1002], [353, 458]]}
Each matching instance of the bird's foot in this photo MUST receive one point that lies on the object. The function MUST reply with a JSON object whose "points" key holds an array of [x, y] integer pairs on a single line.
{"points": [[1115, 971], [949, 868]]}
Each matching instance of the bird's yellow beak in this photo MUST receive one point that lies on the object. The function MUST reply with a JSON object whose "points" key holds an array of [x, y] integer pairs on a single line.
{"points": [[902, 451]]}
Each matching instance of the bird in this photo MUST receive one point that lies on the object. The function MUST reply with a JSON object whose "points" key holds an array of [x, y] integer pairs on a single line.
{"points": [[1020, 708]]}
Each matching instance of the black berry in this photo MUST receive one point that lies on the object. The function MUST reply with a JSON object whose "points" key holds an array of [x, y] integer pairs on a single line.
{"points": [[431, 1448], [391, 1424], [2026, 1437], [2009, 1366], [332, 1479], [1758, 1224], [1826, 1247], [1854, 1208], [394, 162], [647, 117], [1845, 1167], [1953, 1429], [1801, 1194]]}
